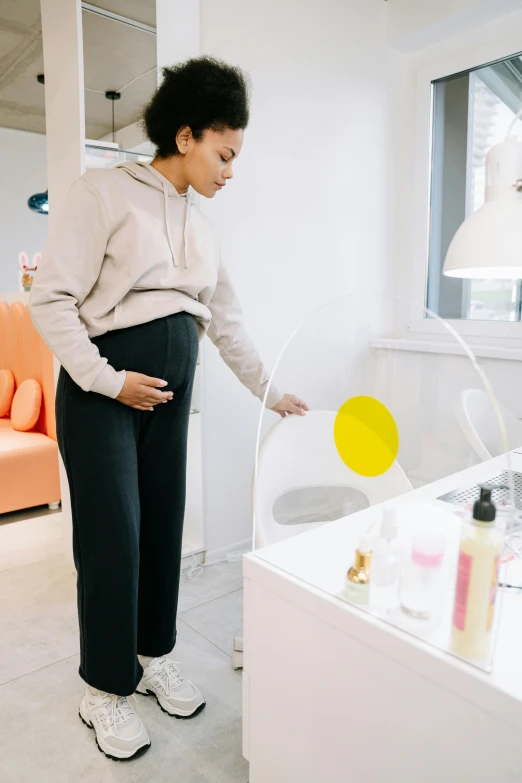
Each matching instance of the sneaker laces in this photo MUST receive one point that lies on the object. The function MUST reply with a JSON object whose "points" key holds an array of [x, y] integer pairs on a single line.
{"points": [[117, 709], [169, 673]]}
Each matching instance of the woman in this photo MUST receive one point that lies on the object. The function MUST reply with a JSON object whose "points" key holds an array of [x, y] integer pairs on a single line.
{"points": [[131, 279]]}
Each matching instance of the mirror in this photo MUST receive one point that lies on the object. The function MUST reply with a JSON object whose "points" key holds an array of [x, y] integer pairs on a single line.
{"points": [[119, 58], [23, 231], [120, 74]]}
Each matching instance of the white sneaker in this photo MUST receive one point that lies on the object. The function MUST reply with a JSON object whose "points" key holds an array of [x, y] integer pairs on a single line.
{"points": [[120, 734], [175, 694]]}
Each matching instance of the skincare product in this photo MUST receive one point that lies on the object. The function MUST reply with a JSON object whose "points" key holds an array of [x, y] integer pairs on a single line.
{"points": [[357, 583], [477, 580], [386, 558], [421, 590]]}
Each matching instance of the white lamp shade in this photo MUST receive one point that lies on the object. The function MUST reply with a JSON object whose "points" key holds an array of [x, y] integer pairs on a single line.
{"points": [[488, 245]]}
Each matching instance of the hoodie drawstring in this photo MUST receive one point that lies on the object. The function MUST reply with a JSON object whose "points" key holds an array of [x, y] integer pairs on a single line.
{"points": [[185, 231], [185, 226], [167, 223]]}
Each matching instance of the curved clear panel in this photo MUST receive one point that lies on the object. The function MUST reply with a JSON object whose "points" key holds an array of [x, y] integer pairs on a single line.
{"points": [[106, 156], [383, 472]]}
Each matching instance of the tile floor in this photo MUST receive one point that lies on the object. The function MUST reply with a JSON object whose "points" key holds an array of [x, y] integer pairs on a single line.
{"points": [[42, 740]]}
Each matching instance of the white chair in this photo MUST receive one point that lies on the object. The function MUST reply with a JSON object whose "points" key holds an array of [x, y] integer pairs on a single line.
{"points": [[478, 421], [299, 453]]}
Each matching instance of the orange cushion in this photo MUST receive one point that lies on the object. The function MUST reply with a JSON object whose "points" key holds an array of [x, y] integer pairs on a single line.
{"points": [[27, 402], [7, 390]]}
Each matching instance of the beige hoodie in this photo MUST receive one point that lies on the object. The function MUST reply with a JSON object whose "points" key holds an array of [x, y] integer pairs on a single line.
{"points": [[128, 249]]}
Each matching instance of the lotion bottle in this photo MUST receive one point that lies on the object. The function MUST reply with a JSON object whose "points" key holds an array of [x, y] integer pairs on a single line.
{"points": [[477, 580]]}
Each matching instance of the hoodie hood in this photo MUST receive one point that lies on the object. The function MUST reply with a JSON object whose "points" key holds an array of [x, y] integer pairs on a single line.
{"points": [[145, 173]]}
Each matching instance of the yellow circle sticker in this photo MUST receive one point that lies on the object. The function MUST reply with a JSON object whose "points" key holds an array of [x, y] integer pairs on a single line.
{"points": [[366, 436]]}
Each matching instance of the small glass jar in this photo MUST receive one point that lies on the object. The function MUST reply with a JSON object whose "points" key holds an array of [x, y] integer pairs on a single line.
{"points": [[422, 587]]}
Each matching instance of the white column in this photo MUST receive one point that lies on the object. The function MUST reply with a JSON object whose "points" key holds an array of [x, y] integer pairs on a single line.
{"points": [[177, 39], [64, 98], [65, 135], [177, 27]]}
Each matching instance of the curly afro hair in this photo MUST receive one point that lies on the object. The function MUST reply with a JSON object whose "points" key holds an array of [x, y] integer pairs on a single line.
{"points": [[202, 93]]}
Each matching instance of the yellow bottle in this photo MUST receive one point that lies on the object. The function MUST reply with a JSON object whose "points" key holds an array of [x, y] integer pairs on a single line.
{"points": [[477, 580]]}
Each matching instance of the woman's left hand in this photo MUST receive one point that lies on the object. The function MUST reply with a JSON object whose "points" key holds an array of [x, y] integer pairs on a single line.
{"points": [[291, 404]]}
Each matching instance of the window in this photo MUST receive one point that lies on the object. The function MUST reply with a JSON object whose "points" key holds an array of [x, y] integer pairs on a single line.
{"points": [[471, 112]]}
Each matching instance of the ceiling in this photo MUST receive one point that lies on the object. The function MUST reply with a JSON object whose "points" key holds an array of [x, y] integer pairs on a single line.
{"points": [[114, 54]]}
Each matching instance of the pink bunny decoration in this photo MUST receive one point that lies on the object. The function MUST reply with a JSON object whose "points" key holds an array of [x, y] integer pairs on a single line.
{"points": [[28, 271]]}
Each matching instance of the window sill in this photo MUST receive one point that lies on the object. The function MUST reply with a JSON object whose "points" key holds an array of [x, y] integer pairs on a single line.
{"points": [[450, 349]]}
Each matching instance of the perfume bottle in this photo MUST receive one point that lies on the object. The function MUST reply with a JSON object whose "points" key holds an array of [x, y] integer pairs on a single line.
{"points": [[357, 583]]}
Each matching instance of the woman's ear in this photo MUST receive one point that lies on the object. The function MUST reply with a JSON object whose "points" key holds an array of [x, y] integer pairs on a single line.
{"points": [[183, 137]]}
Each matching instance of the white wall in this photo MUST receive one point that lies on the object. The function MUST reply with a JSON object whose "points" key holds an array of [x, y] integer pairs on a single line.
{"points": [[24, 172], [414, 24], [307, 215], [424, 397]]}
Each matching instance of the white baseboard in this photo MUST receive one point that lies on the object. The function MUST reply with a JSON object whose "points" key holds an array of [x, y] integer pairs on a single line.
{"points": [[188, 553], [218, 555]]}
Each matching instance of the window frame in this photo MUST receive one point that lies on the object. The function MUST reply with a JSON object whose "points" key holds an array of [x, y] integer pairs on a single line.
{"points": [[501, 332]]}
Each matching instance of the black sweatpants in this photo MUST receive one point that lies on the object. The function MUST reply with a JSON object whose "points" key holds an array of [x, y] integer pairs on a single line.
{"points": [[127, 478]]}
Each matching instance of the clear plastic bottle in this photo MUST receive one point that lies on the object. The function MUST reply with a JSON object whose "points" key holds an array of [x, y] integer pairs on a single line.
{"points": [[422, 587], [386, 557]]}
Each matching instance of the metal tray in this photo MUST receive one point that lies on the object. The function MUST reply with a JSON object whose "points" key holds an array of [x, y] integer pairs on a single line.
{"points": [[465, 496]]}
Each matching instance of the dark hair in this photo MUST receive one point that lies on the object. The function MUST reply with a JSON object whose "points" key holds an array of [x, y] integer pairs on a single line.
{"points": [[202, 93]]}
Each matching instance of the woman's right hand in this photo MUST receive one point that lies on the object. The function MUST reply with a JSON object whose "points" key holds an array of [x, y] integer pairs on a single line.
{"points": [[139, 391]]}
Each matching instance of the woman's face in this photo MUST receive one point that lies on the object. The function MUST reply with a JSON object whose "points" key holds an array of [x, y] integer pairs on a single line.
{"points": [[207, 164]]}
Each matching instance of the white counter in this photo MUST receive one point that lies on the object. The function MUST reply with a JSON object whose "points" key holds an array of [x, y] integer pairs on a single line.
{"points": [[333, 694]]}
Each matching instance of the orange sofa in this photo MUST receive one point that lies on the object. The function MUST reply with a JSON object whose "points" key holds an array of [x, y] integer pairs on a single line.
{"points": [[29, 473]]}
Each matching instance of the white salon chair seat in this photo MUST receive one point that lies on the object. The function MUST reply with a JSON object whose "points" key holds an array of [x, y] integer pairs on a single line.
{"points": [[302, 481]]}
